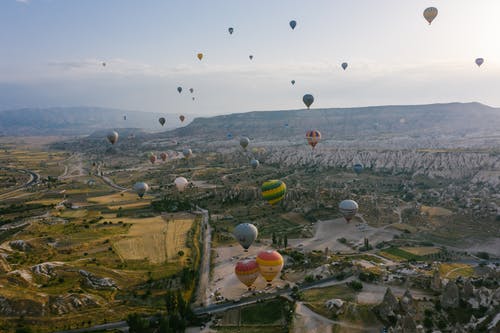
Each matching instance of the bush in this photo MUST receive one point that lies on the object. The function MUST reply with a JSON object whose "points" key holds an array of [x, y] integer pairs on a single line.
{"points": [[355, 285], [483, 255]]}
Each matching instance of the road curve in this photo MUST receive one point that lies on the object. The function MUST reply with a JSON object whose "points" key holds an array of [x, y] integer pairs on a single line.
{"points": [[34, 178]]}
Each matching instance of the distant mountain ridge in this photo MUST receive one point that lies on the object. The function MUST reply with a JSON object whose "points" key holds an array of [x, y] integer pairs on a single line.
{"points": [[78, 120], [419, 121]]}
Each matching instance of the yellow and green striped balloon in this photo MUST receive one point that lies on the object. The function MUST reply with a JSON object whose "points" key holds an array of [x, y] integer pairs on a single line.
{"points": [[273, 191]]}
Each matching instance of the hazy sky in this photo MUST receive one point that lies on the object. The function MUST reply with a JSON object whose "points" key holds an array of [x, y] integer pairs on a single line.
{"points": [[51, 53]]}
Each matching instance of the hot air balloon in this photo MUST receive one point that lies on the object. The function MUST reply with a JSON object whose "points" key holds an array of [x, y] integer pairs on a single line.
{"points": [[192, 98], [308, 99], [247, 271], [293, 24], [358, 168], [313, 137], [103, 64], [152, 158], [124, 117], [141, 188], [273, 191], [231, 30], [112, 137], [163, 156], [181, 183], [293, 82], [200, 56], [245, 234], [254, 163], [479, 62], [430, 14], [187, 153], [250, 56], [348, 208], [191, 90], [179, 89], [270, 264], [181, 117], [344, 65], [229, 136], [162, 121], [244, 141]]}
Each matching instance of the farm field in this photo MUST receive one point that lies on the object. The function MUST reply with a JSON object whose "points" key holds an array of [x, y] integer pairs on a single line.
{"points": [[157, 239], [454, 270]]}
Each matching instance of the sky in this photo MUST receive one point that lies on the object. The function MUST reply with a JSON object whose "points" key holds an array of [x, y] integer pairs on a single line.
{"points": [[51, 53]]}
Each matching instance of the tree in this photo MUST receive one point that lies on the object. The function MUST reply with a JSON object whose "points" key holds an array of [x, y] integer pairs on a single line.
{"points": [[24, 330], [170, 302], [274, 238], [285, 241], [137, 324]]}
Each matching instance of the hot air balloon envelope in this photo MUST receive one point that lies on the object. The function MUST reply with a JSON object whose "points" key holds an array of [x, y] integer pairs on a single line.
{"points": [[254, 163], [141, 188], [348, 208], [308, 99], [112, 137], [247, 271], [270, 264], [273, 191], [313, 137], [181, 183], [430, 14], [293, 24], [245, 234], [358, 168], [244, 141], [187, 152]]}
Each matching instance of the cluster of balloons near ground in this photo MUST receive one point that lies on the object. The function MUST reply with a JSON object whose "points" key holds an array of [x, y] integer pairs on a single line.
{"points": [[269, 263]]}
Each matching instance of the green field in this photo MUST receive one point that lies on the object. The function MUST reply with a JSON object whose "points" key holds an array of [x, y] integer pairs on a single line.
{"points": [[398, 254]]}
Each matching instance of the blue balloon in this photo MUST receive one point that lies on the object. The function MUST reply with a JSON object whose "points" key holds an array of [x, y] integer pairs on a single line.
{"points": [[358, 168], [293, 24]]}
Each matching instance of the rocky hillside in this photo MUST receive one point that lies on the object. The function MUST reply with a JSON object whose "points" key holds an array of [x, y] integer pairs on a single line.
{"points": [[77, 120], [424, 122]]}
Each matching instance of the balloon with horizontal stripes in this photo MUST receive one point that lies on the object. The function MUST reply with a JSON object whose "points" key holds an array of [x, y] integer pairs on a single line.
{"points": [[247, 271], [270, 264], [273, 191]]}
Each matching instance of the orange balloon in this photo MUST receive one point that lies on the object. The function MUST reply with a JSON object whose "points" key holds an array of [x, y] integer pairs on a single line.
{"points": [[200, 56]]}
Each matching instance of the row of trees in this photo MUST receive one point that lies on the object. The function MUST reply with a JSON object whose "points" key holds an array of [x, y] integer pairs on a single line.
{"points": [[280, 240], [178, 314]]}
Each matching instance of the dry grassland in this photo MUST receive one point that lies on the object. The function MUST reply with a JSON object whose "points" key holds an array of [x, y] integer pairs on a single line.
{"points": [[155, 239], [435, 211], [421, 251]]}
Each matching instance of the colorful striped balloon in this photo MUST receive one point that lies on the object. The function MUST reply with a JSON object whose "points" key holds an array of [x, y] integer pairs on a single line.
{"points": [[313, 137], [247, 271], [273, 191], [270, 264]]}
